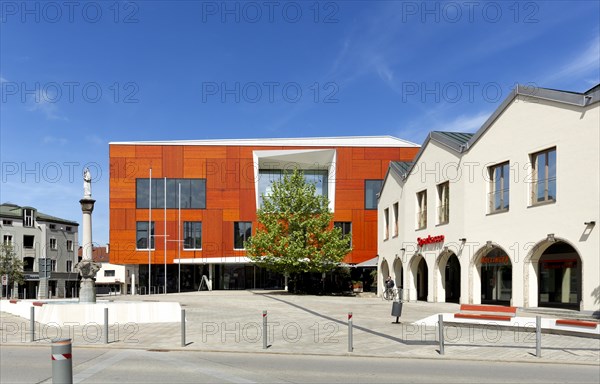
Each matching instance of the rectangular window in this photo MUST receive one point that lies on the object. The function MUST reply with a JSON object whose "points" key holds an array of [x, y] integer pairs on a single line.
{"points": [[386, 224], [53, 265], [68, 229], [372, 188], [544, 176], [28, 217], [142, 235], [53, 243], [319, 178], [499, 187], [193, 193], [109, 273], [7, 239], [70, 245], [242, 231], [52, 226], [7, 222], [69, 265], [443, 191], [422, 209], [346, 229], [192, 235], [395, 219], [28, 241]]}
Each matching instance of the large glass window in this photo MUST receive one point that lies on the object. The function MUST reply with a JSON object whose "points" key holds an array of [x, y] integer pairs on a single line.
{"points": [[242, 231], [193, 193], [142, 235], [499, 187], [395, 219], [544, 176], [386, 223], [422, 209], [269, 176], [192, 235], [443, 191], [346, 229], [372, 188], [496, 277]]}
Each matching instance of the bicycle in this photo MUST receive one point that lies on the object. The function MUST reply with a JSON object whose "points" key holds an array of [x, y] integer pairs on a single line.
{"points": [[390, 294]]}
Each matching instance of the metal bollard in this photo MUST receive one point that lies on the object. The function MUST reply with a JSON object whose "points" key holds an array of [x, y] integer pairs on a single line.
{"points": [[350, 341], [183, 327], [265, 333], [538, 336], [62, 362], [441, 332], [32, 324], [105, 325]]}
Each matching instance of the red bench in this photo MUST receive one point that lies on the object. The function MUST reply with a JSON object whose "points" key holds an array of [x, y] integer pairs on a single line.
{"points": [[577, 323], [38, 303], [490, 312]]}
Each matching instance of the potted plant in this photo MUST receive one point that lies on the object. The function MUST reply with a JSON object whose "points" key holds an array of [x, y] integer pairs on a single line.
{"points": [[357, 286]]}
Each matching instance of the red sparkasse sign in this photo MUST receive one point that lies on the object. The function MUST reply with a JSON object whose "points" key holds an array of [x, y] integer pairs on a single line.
{"points": [[429, 240]]}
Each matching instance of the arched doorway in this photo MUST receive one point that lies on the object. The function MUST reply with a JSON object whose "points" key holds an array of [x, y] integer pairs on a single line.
{"points": [[559, 277], [422, 280], [385, 272], [496, 277], [452, 279], [399, 278]]}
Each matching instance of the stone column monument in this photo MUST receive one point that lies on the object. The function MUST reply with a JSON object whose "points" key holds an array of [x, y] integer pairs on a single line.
{"points": [[87, 267]]}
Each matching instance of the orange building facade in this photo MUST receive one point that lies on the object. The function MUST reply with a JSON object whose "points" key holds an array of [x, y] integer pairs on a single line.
{"points": [[199, 199]]}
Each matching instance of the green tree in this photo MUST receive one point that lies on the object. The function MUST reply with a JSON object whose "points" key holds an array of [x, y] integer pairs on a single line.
{"points": [[294, 233], [11, 266]]}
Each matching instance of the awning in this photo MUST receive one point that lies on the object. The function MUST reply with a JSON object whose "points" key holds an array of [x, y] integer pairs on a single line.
{"points": [[369, 263]]}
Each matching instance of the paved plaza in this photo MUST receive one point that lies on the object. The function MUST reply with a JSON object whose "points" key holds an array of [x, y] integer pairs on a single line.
{"points": [[231, 321]]}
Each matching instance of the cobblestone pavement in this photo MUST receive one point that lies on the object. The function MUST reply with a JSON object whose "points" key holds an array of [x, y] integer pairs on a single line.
{"points": [[232, 321]]}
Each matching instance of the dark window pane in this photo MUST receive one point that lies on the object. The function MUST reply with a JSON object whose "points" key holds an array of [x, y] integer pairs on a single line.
{"points": [[372, 188], [242, 231], [198, 193], [141, 194]]}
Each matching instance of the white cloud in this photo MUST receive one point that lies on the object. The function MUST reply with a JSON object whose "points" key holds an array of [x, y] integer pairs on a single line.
{"points": [[46, 103], [584, 66]]}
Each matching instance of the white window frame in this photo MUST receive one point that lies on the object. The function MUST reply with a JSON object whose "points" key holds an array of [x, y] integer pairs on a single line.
{"points": [[386, 223], [28, 218], [53, 243], [547, 178], [396, 220], [8, 237], [70, 245]]}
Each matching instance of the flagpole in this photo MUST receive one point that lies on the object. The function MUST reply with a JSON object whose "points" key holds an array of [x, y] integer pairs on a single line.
{"points": [[149, 244]]}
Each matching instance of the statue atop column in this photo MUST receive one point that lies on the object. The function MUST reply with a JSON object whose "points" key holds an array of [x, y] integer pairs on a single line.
{"points": [[87, 183], [87, 267]]}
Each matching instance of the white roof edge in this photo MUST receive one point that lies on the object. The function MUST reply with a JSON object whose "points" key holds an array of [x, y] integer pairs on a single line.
{"points": [[341, 141]]}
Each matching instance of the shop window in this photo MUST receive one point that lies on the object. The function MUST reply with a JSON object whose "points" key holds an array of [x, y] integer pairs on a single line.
{"points": [[242, 231], [443, 191], [192, 235], [543, 176], [422, 209], [142, 235], [109, 273], [372, 188], [499, 187]]}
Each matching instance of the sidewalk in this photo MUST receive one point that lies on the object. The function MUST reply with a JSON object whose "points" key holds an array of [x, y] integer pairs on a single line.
{"points": [[232, 321]]}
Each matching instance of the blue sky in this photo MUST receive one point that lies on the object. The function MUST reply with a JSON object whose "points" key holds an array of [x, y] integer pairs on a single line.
{"points": [[76, 76]]}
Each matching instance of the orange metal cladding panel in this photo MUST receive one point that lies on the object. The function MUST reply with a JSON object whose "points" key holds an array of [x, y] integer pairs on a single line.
{"points": [[118, 219], [247, 205], [358, 153], [215, 174], [212, 236], [382, 153], [342, 215], [350, 199], [408, 154], [358, 232], [172, 161], [194, 168], [117, 150]]}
